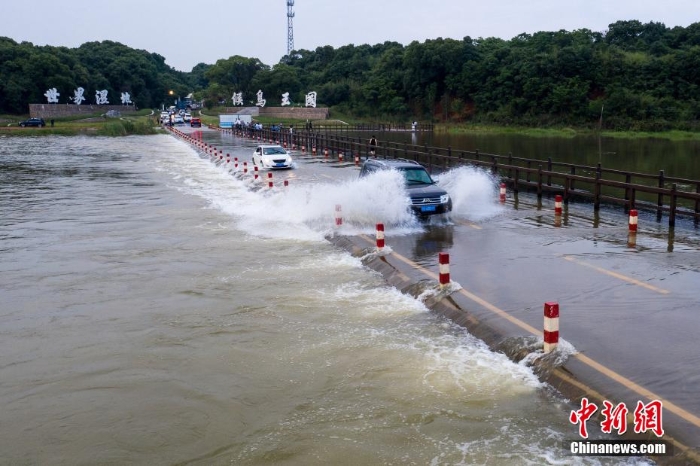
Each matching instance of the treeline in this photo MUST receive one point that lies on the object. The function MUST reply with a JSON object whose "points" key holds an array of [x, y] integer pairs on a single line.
{"points": [[28, 71], [633, 76]]}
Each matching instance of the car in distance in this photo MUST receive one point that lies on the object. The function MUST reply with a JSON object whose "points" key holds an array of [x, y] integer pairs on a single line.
{"points": [[196, 122], [37, 122], [272, 157], [427, 198]]}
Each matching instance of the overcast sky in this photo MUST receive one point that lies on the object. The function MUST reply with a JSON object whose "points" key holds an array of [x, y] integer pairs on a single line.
{"points": [[188, 32]]}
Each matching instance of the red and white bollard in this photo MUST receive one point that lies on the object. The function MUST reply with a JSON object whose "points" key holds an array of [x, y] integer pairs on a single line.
{"points": [[444, 269], [338, 215], [502, 195], [325, 153], [380, 237], [269, 179], [357, 160], [256, 173], [286, 183], [303, 149], [340, 156], [551, 326], [557, 204], [633, 221], [245, 167], [313, 150]]}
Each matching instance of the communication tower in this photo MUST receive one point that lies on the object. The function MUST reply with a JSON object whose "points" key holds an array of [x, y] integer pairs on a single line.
{"points": [[290, 26]]}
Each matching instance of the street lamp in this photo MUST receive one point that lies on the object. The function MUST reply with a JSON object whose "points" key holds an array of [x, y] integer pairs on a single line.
{"points": [[172, 93]]}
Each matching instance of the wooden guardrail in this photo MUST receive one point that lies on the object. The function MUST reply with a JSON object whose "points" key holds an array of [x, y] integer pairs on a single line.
{"points": [[632, 190]]}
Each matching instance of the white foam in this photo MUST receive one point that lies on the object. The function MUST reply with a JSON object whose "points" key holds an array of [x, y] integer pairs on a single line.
{"points": [[474, 193]]}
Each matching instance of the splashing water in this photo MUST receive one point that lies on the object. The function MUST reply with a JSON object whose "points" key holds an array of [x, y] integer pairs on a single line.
{"points": [[474, 193]]}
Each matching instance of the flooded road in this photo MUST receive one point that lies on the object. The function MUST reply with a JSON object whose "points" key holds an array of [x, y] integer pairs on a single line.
{"points": [[158, 310]]}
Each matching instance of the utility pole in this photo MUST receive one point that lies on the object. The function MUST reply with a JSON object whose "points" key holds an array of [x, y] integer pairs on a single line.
{"points": [[290, 26]]}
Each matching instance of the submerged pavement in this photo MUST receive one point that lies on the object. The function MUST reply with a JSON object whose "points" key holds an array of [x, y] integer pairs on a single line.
{"points": [[628, 304], [628, 307]]}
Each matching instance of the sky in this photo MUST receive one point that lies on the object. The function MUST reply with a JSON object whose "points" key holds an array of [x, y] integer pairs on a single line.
{"points": [[189, 32]]}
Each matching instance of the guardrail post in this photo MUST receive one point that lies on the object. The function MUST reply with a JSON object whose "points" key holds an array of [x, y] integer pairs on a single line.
{"points": [[529, 166], [510, 163], [549, 169], [672, 207], [596, 190], [551, 326], [660, 199], [539, 182], [697, 203]]}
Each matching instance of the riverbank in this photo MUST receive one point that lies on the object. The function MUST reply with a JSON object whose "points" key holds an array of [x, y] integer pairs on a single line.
{"points": [[138, 123], [142, 123], [107, 128], [465, 128]]}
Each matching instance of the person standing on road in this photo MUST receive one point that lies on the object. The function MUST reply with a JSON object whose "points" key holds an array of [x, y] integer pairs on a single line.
{"points": [[373, 146]]}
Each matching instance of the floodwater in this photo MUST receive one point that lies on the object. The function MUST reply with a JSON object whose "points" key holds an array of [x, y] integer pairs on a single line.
{"points": [[157, 309], [679, 159]]}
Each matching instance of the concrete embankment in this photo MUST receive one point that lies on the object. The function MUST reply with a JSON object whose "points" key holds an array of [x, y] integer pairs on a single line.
{"points": [[574, 376]]}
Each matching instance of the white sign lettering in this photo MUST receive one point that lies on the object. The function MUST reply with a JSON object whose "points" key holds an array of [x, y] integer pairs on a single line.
{"points": [[261, 101], [285, 99], [311, 99], [52, 95], [78, 96], [101, 97]]}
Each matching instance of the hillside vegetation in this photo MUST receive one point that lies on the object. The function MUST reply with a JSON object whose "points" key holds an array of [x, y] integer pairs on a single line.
{"points": [[637, 77]]}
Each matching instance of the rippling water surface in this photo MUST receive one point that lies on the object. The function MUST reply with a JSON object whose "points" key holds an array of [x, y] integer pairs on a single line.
{"points": [[156, 310]]}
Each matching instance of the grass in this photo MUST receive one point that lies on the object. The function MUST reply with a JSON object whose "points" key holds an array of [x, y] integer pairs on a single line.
{"points": [[476, 129], [140, 122]]}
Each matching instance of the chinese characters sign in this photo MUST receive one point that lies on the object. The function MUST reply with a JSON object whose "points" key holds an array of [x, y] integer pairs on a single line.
{"points": [[311, 99], [261, 101], [647, 417], [52, 95]]}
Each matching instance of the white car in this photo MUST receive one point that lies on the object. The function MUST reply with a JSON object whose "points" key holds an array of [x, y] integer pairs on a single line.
{"points": [[272, 157], [187, 117]]}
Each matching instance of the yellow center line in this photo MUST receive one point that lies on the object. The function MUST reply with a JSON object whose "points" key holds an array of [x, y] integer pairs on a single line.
{"points": [[469, 224], [617, 275], [622, 380]]}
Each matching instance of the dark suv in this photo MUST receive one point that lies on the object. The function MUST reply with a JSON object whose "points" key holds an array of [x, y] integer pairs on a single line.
{"points": [[427, 198], [33, 122]]}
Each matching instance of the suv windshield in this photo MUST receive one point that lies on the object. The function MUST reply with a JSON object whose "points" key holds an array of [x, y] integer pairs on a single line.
{"points": [[416, 175]]}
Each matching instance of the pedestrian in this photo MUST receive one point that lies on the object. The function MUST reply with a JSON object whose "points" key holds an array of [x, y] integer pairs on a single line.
{"points": [[373, 146]]}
